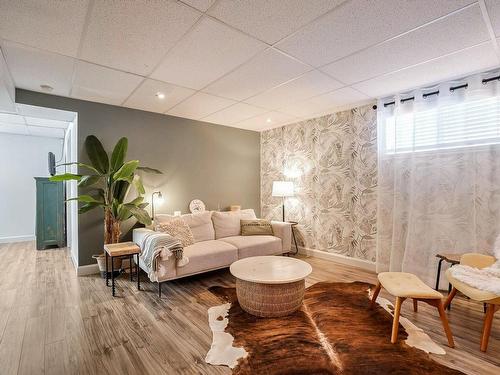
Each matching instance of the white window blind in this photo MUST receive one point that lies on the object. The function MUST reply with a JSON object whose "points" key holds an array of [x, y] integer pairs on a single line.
{"points": [[465, 124]]}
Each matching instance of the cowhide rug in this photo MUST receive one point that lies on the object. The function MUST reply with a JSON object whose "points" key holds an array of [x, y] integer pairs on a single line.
{"points": [[334, 332]]}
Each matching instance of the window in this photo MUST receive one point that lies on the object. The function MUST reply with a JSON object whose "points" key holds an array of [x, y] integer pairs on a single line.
{"points": [[447, 126]]}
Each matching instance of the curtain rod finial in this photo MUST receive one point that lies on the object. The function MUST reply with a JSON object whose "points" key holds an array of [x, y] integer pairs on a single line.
{"points": [[374, 106]]}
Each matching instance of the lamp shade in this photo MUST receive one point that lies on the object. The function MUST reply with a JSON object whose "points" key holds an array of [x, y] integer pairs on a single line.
{"points": [[282, 189]]}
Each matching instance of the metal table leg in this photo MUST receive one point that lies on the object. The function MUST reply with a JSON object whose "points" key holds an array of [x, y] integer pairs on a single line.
{"points": [[107, 276], [112, 277], [137, 271], [438, 274], [295, 242], [130, 267]]}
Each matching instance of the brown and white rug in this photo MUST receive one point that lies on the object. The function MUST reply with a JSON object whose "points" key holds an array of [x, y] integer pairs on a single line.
{"points": [[333, 333]]}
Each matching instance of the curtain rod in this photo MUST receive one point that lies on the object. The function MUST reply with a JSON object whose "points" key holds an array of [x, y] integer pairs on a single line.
{"points": [[453, 88]]}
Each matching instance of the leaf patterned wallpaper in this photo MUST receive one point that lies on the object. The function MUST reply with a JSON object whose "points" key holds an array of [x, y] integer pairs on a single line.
{"points": [[332, 161]]}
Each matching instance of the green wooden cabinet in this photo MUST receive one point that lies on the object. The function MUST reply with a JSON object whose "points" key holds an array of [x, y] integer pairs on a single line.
{"points": [[50, 214]]}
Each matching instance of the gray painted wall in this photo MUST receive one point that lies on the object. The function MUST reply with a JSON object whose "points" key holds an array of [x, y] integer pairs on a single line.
{"points": [[217, 164]]}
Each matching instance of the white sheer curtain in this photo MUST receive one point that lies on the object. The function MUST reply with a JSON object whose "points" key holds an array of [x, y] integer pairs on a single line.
{"points": [[438, 175]]}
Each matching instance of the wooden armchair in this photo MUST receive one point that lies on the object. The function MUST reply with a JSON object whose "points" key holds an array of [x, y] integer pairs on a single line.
{"points": [[492, 300]]}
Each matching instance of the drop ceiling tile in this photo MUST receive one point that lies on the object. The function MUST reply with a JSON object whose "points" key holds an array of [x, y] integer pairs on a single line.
{"points": [[134, 35], [358, 24], [48, 123], [31, 68], [326, 103], [200, 105], [447, 67], [38, 131], [266, 121], [11, 118], [270, 20], [52, 25], [493, 7], [209, 51], [268, 69], [145, 96], [201, 5], [455, 32], [13, 128], [310, 84], [234, 114], [101, 84]]}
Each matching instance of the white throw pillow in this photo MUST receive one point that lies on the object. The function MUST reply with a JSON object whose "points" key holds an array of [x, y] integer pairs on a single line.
{"points": [[200, 224], [227, 224]]}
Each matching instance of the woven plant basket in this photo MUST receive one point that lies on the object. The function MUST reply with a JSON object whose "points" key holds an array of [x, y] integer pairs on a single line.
{"points": [[270, 300], [101, 263]]}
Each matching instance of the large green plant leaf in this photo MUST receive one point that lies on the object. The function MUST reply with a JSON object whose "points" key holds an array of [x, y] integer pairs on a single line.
{"points": [[89, 180], [83, 165], [126, 171], [149, 170], [65, 177], [137, 181], [120, 190], [140, 214], [98, 157], [118, 155]]}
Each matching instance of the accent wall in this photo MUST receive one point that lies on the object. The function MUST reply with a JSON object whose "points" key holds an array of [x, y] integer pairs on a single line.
{"points": [[332, 161]]}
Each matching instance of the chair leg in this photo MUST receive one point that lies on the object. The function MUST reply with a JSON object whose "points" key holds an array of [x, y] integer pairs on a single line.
{"points": [[375, 295], [450, 297], [415, 305], [446, 326], [488, 320], [395, 322]]}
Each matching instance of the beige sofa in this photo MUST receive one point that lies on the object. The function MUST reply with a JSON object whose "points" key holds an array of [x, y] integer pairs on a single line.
{"points": [[218, 243]]}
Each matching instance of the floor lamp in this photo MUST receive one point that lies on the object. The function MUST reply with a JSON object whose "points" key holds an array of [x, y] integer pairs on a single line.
{"points": [[282, 189]]}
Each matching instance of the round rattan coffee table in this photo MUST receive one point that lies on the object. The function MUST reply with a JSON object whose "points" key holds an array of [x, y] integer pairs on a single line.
{"points": [[270, 286]]}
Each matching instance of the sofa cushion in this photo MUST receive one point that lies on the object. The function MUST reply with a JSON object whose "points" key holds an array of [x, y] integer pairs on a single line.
{"points": [[251, 246], [208, 255], [227, 224], [200, 224]]}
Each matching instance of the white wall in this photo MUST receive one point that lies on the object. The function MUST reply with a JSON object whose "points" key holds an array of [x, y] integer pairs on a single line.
{"points": [[21, 159]]}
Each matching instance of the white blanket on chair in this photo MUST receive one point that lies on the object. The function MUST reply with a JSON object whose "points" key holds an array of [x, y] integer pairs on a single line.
{"points": [[486, 279]]}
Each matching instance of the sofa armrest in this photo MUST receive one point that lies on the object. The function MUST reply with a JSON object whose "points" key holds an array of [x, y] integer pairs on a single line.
{"points": [[138, 235], [283, 230]]}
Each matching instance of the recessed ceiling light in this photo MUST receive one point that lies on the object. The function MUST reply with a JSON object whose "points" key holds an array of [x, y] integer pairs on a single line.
{"points": [[160, 95], [46, 88], [268, 120]]}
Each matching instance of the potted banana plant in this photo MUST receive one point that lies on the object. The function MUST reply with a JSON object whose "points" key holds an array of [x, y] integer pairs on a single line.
{"points": [[107, 184]]}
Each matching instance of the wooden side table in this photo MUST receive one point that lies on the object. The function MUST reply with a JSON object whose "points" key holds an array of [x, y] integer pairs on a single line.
{"points": [[121, 250]]}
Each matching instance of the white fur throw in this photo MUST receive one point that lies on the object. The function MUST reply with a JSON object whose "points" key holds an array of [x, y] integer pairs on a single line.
{"points": [[486, 279]]}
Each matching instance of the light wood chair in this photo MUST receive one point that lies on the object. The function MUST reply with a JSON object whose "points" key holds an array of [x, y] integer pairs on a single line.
{"points": [[404, 285], [491, 300]]}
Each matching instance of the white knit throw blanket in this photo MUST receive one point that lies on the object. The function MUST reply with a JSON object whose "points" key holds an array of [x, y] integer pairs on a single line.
{"points": [[486, 279]]}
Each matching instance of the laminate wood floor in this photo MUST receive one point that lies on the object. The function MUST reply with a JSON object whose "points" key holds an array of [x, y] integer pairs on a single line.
{"points": [[53, 322]]}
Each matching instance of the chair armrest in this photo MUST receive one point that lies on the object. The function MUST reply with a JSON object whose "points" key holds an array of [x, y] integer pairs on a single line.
{"points": [[477, 260], [283, 230]]}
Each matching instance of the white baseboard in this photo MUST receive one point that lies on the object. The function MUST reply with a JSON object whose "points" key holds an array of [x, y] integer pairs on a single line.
{"points": [[338, 258], [89, 269], [28, 237]]}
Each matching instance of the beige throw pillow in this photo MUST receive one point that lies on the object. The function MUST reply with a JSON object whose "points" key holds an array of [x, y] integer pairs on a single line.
{"points": [[177, 228], [256, 227]]}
